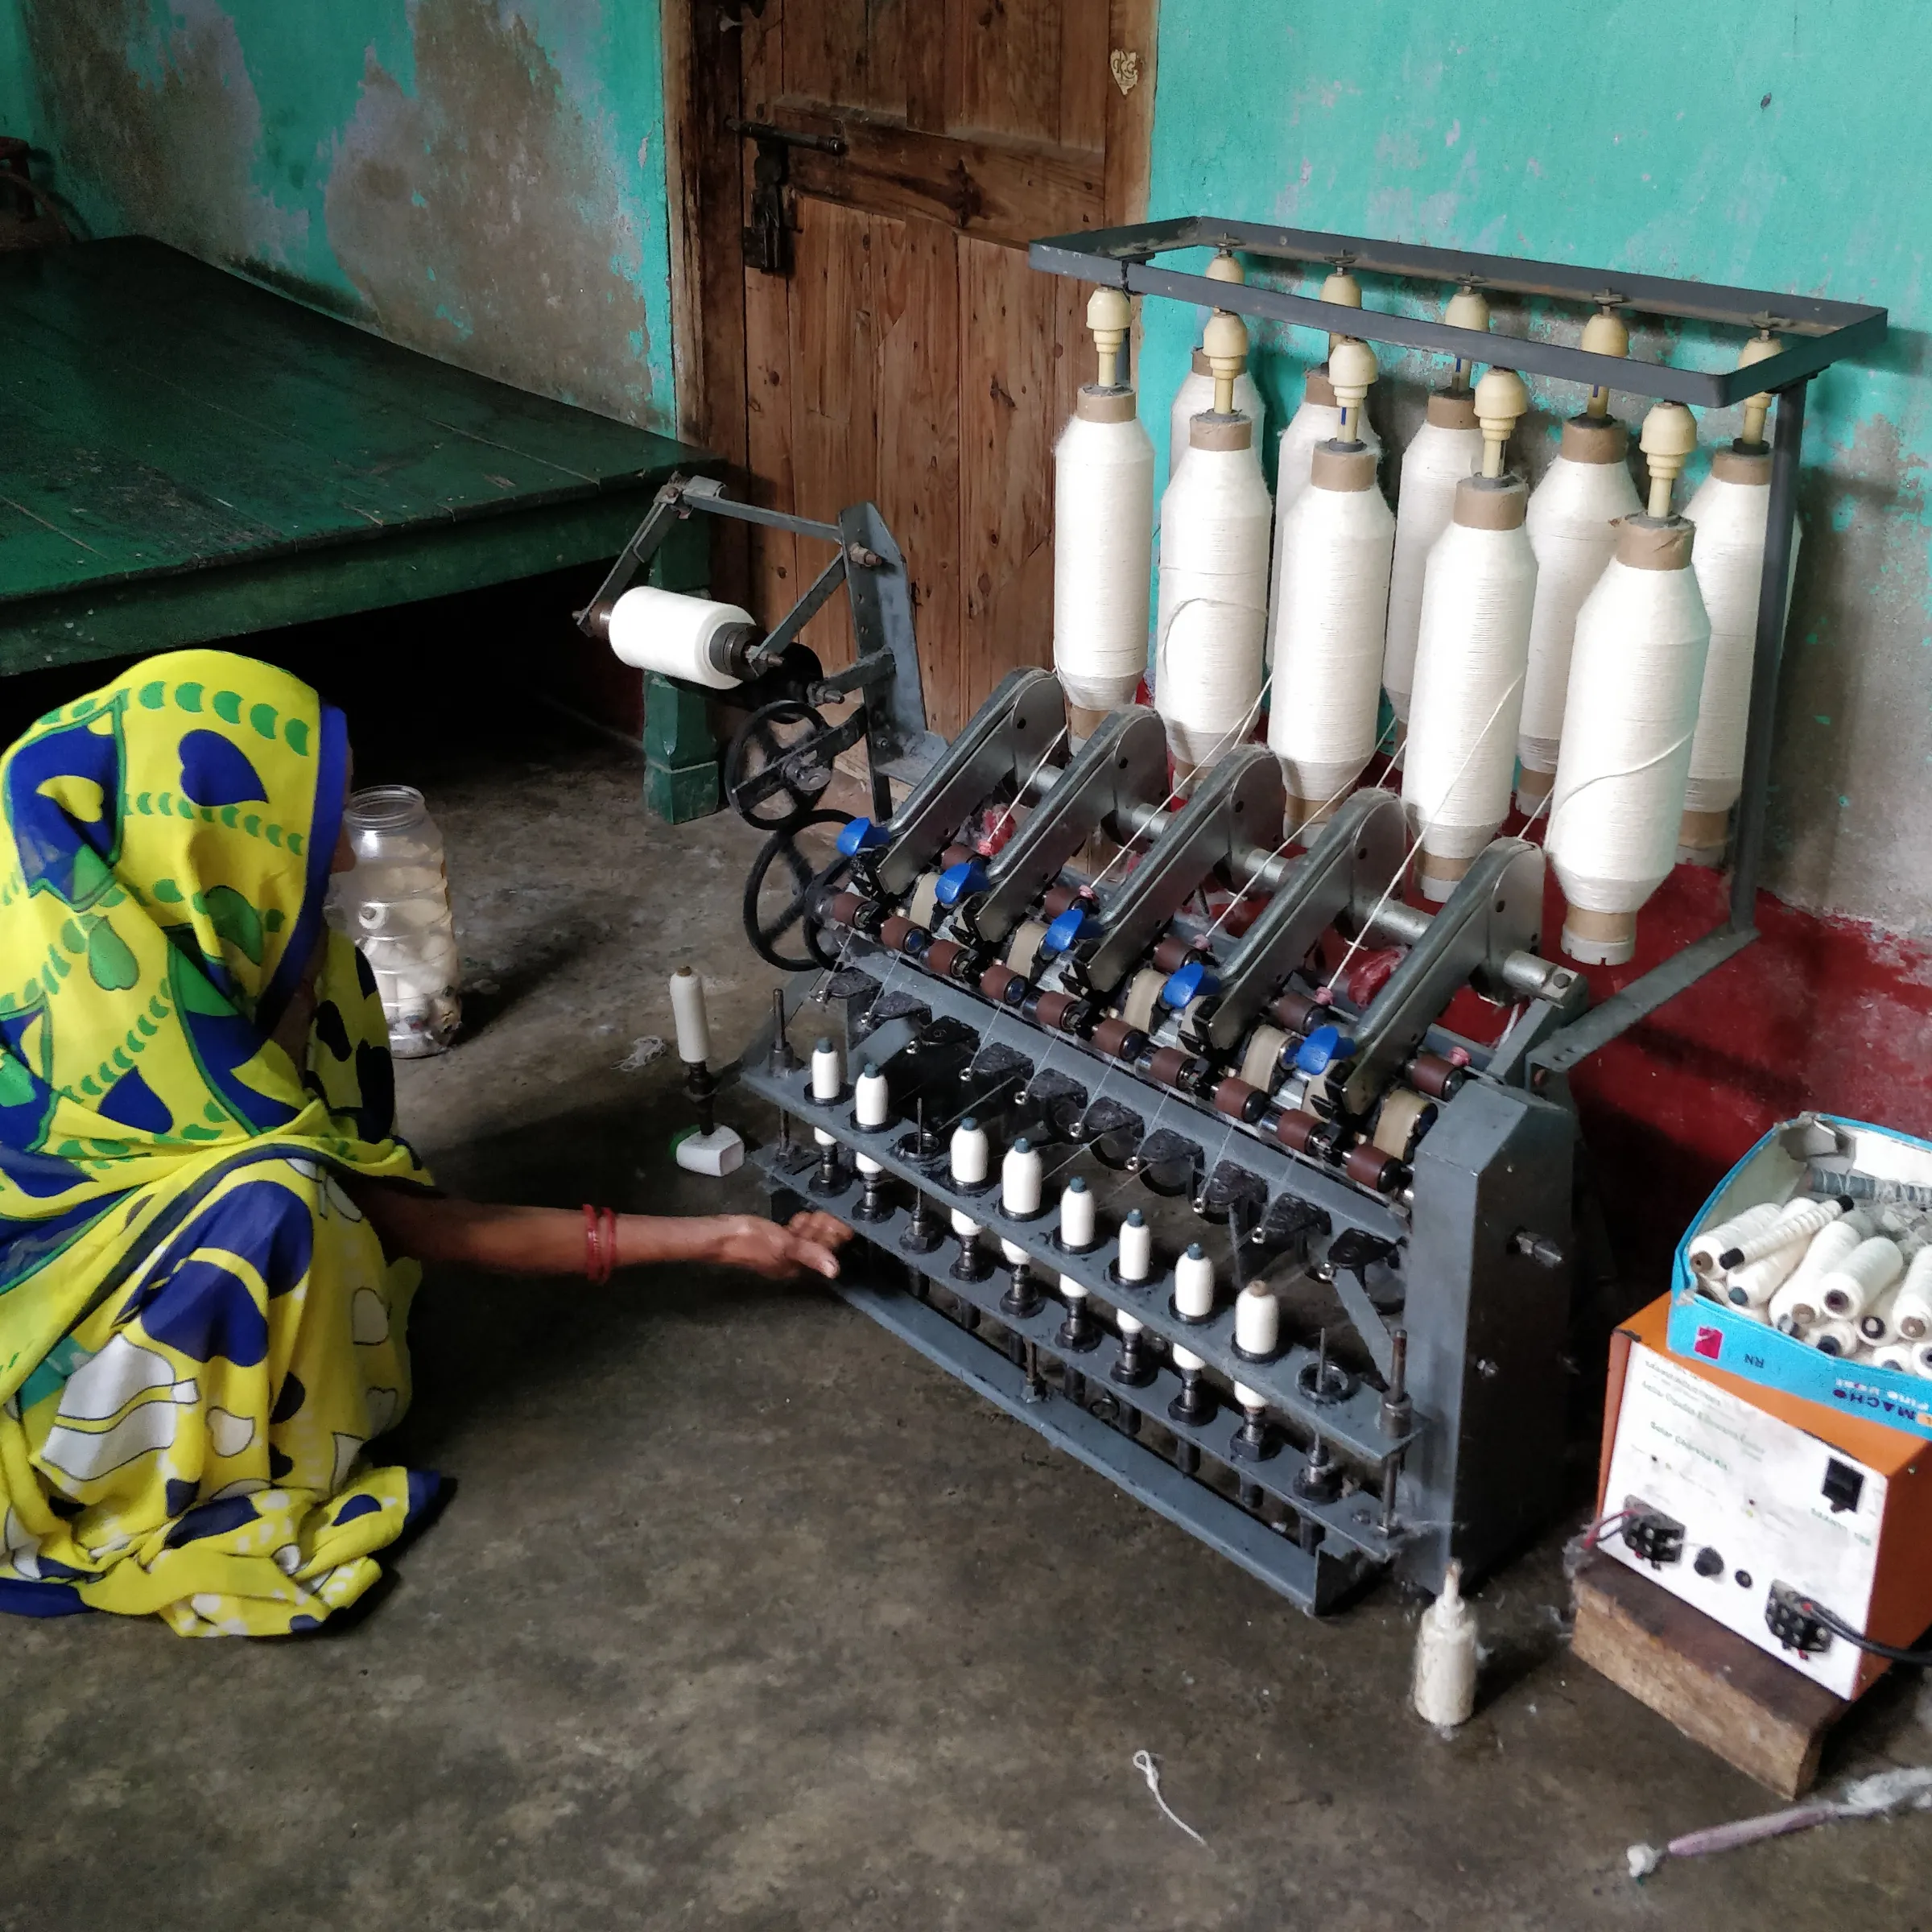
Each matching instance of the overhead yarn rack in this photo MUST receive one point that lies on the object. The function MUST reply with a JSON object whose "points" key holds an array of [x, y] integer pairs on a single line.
{"points": [[1814, 333]]}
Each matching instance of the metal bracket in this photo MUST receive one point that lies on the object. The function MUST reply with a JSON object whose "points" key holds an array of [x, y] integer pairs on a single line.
{"points": [[1123, 766], [1496, 910], [1348, 867], [1002, 745], [1234, 805], [767, 236]]}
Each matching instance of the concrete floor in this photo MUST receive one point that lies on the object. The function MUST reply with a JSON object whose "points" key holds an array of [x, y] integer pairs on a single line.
{"points": [[742, 1615]]}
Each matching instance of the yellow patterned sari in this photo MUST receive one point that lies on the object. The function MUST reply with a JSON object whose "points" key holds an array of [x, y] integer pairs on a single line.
{"points": [[199, 1333]]}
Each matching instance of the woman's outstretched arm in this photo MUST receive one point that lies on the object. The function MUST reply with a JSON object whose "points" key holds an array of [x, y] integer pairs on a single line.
{"points": [[550, 1240]]}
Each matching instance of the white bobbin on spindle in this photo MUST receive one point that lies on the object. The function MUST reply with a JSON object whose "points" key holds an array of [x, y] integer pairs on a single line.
{"points": [[827, 1071], [1257, 1322], [1573, 512], [1319, 418], [871, 1098], [1472, 653], [971, 1154], [1077, 1227], [1135, 1262], [1732, 511], [1330, 605], [1021, 1174], [1446, 449], [1211, 619], [1194, 1284], [1103, 542], [1630, 714], [1196, 391]]}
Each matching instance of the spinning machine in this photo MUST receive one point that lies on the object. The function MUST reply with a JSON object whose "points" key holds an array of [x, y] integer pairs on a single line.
{"points": [[1121, 1038]]}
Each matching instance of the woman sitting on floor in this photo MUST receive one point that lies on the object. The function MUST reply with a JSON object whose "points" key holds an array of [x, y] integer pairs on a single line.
{"points": [[205, 1209]]}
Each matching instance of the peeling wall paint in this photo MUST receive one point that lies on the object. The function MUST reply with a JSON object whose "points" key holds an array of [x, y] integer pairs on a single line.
{"points": [[479, 179], [1753, 146]]}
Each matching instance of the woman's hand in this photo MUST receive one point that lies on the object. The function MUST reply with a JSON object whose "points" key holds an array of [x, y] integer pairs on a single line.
{"points": [[808, 1242]]}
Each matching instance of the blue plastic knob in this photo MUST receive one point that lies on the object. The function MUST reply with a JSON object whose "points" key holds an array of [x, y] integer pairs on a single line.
{"points": [[958, 881], [861, 835], [1322, 1049], [1063, 931], [1189, 983]]}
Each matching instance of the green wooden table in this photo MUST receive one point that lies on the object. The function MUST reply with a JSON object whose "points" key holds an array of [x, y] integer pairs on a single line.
{"points": [[184, 456]]}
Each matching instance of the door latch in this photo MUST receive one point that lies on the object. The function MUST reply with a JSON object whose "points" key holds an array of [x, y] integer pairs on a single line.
{"points": [[767, 237]]}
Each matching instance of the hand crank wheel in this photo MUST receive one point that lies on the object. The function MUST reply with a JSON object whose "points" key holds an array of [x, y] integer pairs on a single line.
{"points": [[780, 891], [774, 775]]}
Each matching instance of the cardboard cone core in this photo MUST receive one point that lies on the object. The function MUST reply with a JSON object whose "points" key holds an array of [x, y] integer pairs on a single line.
{"points": [[1600, 938]]}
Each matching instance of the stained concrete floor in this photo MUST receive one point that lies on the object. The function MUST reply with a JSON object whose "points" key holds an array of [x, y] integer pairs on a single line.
{"points": [[742, 1615]]}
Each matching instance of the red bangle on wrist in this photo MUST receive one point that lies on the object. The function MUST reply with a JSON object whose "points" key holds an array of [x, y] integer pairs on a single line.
{"points": [[599, 1244]]}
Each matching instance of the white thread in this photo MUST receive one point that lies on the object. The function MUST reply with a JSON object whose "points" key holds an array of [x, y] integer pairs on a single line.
{"points": [[1469, 661], [1836, 1336], [1136, 1249], [1570, 522], [1911, 1304], [1213, 608], [1900, 1357], [1331, 605], [1876, 1324], [1257, 1320], [1729, 560], [971, 1154], [691, 1026], [1077, 1224], [1102, 553], [1798, 1299], [871, 1099], [1796, 1224], [1312, 424], [1704, 1250], [1195, 395], [1851, 1288], [1438, 458], [1635, 677], [673, 634], [1149, 1769], [1020, 1175]]}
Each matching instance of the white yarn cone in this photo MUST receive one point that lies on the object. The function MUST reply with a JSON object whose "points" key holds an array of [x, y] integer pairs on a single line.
{"points": [[1471, 656], [1103, 549], [1331, 602], [1195, 397], [1446, 449], [1317, 420], [1730, 511], [1573, 514], [1635, 677], [1212, 615]]}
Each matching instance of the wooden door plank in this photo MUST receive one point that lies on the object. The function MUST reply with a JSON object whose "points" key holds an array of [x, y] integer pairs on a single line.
{"points": [[835, 434], [917, 491], [1084, 82], [1129, 120], [1000, 192], [926, 58], [825, 53], [144, 276], [883, 79], [772, 584], [1009, 81]]}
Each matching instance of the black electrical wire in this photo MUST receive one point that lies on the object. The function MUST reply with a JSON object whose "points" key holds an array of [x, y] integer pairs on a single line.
{"points": [[1837, 1625]]}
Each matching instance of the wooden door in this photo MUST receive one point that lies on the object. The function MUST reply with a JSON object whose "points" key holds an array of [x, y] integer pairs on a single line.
{"points": [[910, 357]]}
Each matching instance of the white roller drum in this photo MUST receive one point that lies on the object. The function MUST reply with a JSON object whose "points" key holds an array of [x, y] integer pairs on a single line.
{"points": [[1571, 522], [1447, 448], [690, 638], [1635, 679], [1331, 601]]}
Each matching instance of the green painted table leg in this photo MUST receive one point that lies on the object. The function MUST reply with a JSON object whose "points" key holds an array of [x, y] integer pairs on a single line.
{"points": [[680, 753]]}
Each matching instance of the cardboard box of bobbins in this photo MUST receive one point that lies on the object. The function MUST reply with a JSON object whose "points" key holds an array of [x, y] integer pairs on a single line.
{"points": [[1809, 1270]]}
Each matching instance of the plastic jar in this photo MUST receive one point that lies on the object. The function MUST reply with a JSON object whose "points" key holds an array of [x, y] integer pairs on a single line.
{"points": [[395, 906]]}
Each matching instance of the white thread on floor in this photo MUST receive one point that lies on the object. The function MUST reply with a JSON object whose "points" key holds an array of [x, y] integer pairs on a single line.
{"points": [[1145, 1763]]}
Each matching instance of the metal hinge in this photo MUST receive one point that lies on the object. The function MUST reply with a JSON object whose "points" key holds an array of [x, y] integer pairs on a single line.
{"points": [[767, 237]]}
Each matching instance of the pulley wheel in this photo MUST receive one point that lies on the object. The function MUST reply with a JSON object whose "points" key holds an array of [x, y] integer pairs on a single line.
{"points": [[774, 773], [780, 890]]}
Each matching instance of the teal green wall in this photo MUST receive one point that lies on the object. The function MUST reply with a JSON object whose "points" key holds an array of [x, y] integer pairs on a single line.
{"points": [[1784, 148], [481, 179]]}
